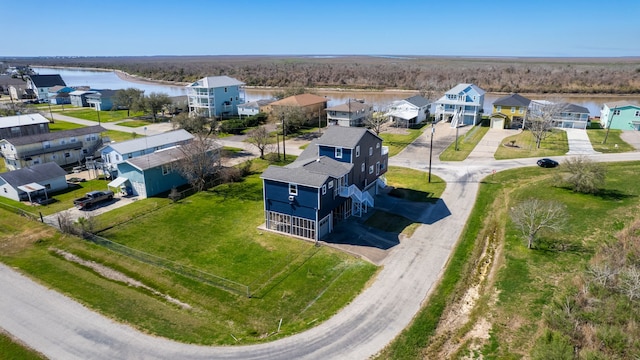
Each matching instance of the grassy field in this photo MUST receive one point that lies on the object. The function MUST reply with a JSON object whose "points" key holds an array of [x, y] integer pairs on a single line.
{"points": [[554, 145], [134, 123], [105, 116], [614, 143], [466, 144], [112, 134], [214, 231], [414, 185], [10, 349], [397, 142], [531, 287]]}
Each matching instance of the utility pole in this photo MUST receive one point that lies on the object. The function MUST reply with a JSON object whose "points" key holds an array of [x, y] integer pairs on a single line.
{"points": [[433, 130], [610, 120], [284, 135]]}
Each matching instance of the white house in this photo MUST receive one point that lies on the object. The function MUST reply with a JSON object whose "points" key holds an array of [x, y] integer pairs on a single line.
{"points": [[409, 111], [23, 125], [116, 153], [253, 107], [215, 96], [32, 183], [462, 105], [351, 113], [40, 84]]}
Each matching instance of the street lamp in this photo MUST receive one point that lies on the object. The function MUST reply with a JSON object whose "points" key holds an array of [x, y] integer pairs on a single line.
{"points": [[606, 135], [433, 131], [284, 135]]}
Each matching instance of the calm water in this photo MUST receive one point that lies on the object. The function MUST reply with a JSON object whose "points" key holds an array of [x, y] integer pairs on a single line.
{"points": [[109, 80]]}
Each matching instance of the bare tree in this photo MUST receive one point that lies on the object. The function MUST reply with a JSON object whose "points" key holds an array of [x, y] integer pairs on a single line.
{"points": [[533, 216], [290, 91], [630, 282], [375, 121], [541, 118], [584, 175], [200, 161], [260, 138]]}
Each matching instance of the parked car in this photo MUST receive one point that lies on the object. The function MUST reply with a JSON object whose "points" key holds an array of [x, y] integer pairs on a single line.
{"points": [[92, 198], [547, 163]]}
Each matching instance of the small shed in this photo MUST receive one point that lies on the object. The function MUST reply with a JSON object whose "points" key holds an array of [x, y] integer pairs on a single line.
{"points": [[499, 121], [33, 183]]}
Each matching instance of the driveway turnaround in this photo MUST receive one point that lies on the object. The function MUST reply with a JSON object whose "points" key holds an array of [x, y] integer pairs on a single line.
{"points": [[61, 328]]}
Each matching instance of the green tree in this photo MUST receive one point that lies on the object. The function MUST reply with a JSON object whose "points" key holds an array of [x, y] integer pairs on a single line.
{"points": [[193, 124], [155, 102], [127, 98]]}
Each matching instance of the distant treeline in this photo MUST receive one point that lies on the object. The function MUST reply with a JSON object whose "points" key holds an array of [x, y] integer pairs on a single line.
{"points": [[437, 74]]}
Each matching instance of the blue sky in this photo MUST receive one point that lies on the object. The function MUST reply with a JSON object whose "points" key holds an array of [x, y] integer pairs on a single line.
{"points": [[278, 27]]}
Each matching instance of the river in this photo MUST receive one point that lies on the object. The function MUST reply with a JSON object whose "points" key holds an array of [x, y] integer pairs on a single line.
{"points": [[110, 80]]}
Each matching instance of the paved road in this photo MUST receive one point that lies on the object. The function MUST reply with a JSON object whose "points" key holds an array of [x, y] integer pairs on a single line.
{"points": [[62, 329]]}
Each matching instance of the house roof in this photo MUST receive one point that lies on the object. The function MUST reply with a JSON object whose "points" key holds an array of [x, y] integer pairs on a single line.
{"points": [[32, 139], [512, 100], [346, 137], [463, 88], [573, 108], [300, 100], [57, 88], [167, 138], [351, 106], [418, 101], [216, 82], [81, 92], [42, 81], [256, 104], [106, 93], [310, 172], [31, 174], [621, 104], [6, 80], [158, 158], [21, 120]]}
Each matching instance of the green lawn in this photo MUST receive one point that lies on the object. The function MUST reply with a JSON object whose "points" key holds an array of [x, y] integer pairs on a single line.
{"points": [[466, 144], [105, 116], [63, 125], [10, 349], [536, 289], [397, 142], [134, 123], [214, 231], [525, 146], [614, 143], [414, 185], [112, 134]]}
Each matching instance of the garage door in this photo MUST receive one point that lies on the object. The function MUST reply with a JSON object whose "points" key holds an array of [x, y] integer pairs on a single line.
{"points": [[497, 123]]}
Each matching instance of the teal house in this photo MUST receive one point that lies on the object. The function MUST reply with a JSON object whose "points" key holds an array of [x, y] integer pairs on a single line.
{"points": [[620, 115]]}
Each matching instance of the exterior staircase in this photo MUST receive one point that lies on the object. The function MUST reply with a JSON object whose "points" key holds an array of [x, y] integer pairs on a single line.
{"points": [[361, 201]]}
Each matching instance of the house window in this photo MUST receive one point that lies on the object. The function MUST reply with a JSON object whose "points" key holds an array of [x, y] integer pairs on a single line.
{"points": [[5, 190], [324, 189], [166, 169], [67, 155], [338, 153], [521, 110], [129, 155], [330, 184], [362, 167], [54, 156], [15, 130], [358, 151], [637, 113], [370, 150], [88, 138], [46, 144], [85, 151], [377, 145], [62, 141], [616, 112], [293, 189], [36, 161], [370, 169], [513, 109], [378, 168], [72, 140]]}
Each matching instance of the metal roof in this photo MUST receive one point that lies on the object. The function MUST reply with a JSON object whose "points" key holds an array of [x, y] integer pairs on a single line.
{"points": [[462, 88], [216, 82], [351, 106], [32, 139], [33, 174], [167, 138], [418, 101], [47, 80], [21, 120], [157, 158]]}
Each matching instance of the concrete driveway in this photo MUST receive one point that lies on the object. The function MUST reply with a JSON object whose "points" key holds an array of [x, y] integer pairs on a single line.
{"points": [[632, 137], [579, 143]]}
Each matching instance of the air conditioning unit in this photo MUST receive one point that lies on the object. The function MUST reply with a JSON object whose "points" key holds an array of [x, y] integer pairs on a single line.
{"points": [[291, 197]]}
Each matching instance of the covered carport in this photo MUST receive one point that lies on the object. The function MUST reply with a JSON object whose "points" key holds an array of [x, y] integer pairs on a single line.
{"points": [[33, 189], [119, 185]]}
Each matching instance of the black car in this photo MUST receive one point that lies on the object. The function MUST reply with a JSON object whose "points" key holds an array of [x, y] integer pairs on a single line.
{"points": [[547, 163]]}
